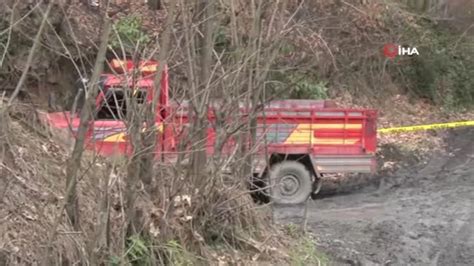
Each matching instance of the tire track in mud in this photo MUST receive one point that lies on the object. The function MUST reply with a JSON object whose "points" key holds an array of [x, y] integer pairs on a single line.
{"points": [[422, 217], [459, 249]]}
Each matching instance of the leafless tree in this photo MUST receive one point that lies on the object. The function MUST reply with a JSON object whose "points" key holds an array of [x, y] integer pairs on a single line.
{"points": [[220, 80]]}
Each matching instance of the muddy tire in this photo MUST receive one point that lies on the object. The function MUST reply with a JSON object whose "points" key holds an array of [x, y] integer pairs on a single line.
{"points": [[290, 183]]}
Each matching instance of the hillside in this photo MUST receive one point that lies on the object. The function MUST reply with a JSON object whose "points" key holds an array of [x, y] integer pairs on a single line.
{"points": [[137, 211]]}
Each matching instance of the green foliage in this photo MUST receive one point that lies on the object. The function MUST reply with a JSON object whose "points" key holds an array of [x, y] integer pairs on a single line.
{"points": [[287, 47], [177, 255], [422, 74], [444, 69], [304, 87], [292, 230], [305, 253], [114, 261], [139, 251], [298, 85], [128, 32], [221, 39]]}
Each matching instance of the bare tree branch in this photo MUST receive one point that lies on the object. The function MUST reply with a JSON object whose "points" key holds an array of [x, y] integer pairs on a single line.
{"points": [[31, 54]]}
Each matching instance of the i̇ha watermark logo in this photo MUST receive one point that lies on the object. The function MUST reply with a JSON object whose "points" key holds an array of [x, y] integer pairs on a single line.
{"points": [[391, 50]]}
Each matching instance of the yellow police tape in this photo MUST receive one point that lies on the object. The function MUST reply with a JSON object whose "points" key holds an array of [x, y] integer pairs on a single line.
{"points": [[426, 127]]}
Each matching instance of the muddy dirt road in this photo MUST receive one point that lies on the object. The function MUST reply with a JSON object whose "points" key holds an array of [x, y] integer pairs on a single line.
{"points": [[418, 216]]}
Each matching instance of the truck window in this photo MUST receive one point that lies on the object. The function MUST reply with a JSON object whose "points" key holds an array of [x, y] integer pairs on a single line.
{"points": [[114, 107]]}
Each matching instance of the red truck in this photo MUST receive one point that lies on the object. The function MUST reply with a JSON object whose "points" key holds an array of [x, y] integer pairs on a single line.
{"points": [[298, 141]]}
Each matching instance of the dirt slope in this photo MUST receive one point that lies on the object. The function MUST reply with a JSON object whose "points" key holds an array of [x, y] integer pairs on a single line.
{"points": [[415, 217]]}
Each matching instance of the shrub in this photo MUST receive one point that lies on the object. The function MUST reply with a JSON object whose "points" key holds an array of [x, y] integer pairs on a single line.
{"points": [[443, 72], [139, 252], [298, 85], [128, 32], [306, 253], [306, 88]]}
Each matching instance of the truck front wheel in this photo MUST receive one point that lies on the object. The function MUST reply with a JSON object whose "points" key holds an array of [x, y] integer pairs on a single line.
{"points": [[290, 183]]}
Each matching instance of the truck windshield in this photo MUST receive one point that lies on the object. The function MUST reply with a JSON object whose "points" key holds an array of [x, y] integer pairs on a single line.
{"points": [[114, 106]]}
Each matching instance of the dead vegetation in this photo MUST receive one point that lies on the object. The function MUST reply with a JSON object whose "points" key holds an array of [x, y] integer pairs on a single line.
{"points": [[143, 213], [217, 222], [69, 208]]}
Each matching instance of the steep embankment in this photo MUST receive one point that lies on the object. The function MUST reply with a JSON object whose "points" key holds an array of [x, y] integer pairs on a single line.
{"points": [[32, 189]]}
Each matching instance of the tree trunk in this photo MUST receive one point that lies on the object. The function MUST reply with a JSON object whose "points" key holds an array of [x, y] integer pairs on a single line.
{"points": [[100, 244], [74, 162], [140, 167], [199, 156]]}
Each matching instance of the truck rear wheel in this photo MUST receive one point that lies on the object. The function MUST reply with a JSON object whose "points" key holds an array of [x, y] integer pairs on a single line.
{"points": [[290, 183]]}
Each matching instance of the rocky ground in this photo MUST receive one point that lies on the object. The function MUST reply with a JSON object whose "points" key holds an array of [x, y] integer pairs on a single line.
{"points": [[419, 215]]}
